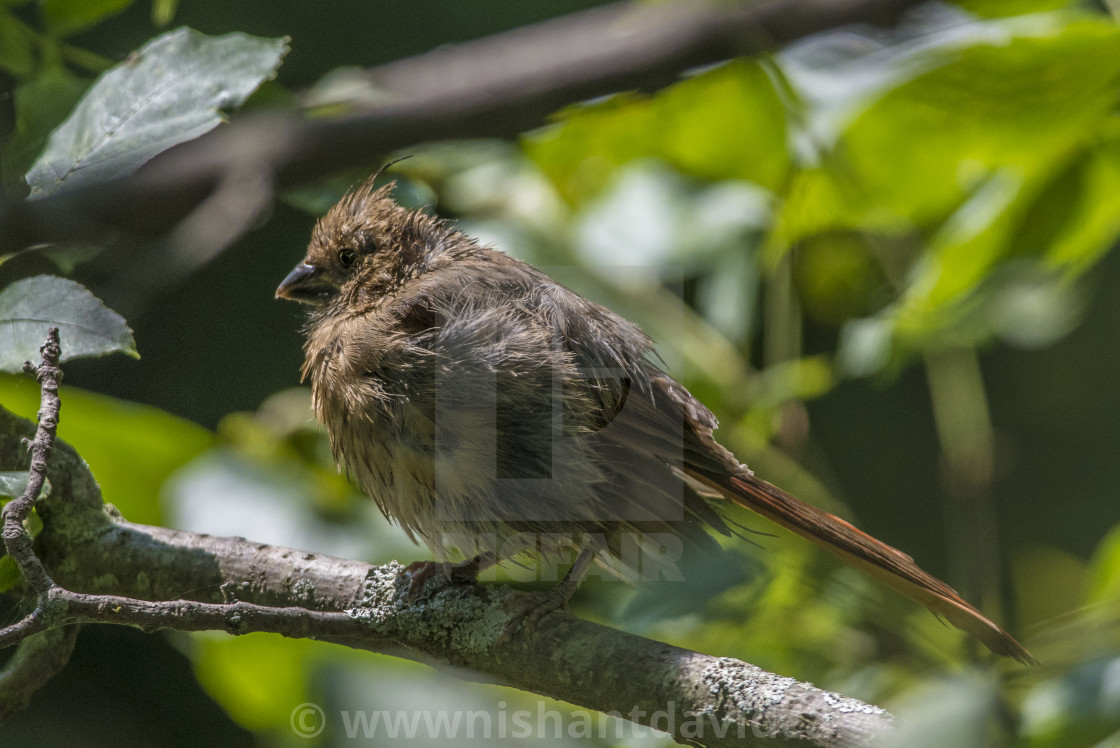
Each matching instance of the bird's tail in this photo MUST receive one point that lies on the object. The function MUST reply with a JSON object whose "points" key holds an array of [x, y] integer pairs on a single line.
{"points": [[889, 565]]}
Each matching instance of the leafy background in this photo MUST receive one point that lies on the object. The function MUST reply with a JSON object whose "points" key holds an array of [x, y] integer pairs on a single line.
{"points": [[883, 258]]}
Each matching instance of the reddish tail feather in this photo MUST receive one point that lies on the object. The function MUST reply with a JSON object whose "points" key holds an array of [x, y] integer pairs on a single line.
{"points": [[889, 565]]}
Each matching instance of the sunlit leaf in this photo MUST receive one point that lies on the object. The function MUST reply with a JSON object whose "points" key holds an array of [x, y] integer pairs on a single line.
{"points": [[959, 257], [29, 307], [1014, 98], [168, 92], [725, 123], [1090, 226], [1105, 580], [131, 448], [997, 8], [163, 12], [257, 679]]}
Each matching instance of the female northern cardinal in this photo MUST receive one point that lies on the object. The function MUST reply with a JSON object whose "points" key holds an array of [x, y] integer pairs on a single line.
{"points": [[468, 392]]}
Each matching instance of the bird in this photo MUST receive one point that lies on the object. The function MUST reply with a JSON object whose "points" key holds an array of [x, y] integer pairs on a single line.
{"points": [[471, 395]]}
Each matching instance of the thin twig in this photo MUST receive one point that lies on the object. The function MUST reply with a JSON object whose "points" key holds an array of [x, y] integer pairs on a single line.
{"points": [[38, 658], [16, 538]]}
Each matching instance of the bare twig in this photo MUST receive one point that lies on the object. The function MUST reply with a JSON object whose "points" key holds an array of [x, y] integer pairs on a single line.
{"points": [[16, 539], [38, 657], [494, 87]]}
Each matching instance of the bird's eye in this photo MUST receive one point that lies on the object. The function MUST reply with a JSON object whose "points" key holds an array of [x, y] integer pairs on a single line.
{"points": [[346, 257]]}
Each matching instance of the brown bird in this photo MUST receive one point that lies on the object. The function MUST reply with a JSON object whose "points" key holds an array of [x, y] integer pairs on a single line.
{"points": [[472, 396]]}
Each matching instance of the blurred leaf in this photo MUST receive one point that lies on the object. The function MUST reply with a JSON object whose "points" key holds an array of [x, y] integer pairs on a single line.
{"points": [[87, 327], [222, 492], [961, 711], [66, 17], [1104, 582], [1030, 308], [342, 90], [17, 51], [41, 103], [256, 678], [998, 8], [838, 277], [1016, 95], [960, 256], [130, 448], [9, 573], [168, 92], [1079, 707], [725, 123], [68, 256], [1048, 583], [12, 485], [163, 12], [864, 347], [1090, 226]]}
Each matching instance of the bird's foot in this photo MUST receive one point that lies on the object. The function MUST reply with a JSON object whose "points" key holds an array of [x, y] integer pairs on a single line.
{"points": [[462, 572], [531, 611]]}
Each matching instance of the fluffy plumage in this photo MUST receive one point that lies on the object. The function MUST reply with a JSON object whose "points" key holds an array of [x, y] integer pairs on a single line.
{"points": [[468, 393]]}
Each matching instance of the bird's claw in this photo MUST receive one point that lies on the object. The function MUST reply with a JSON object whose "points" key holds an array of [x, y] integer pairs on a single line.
{"points": [[462, 572], [531, 611]]}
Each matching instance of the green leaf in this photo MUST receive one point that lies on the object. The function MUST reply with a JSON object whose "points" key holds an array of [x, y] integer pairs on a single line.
{"points": [[12, 485], [66, 257], [1105, 581], [41, 104], [1016, 97], [163, 12], [87, 327], [169, 92], [1080, 706], [998, 8], [9, 573], [256, 678], [17, 54], [960, 256], [66, 17], [960, 711], [130, 448], [725, 123]]}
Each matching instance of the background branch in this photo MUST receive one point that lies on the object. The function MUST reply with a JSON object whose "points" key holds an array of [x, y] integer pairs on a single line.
{"points": [[494, 87]]}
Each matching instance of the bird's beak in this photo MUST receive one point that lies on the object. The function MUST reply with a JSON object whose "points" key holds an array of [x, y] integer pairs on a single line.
{"points": [[306, 283]]}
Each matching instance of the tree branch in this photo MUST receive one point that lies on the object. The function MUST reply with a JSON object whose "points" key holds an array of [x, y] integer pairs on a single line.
{"points": [[113, 571], [493, 87]]}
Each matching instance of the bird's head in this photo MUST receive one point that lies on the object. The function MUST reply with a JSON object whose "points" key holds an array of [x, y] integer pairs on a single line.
{"points": [[364, 248]]}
